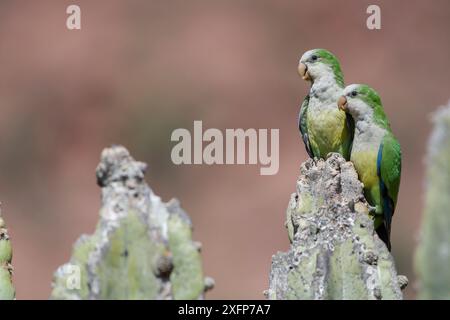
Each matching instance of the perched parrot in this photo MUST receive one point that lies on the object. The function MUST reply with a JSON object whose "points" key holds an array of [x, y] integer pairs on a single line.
{"points": [[323, 127], [375, 154]]}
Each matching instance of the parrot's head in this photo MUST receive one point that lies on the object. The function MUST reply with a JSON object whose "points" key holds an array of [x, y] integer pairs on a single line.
{"points": [[361, 101], [320, 63]]}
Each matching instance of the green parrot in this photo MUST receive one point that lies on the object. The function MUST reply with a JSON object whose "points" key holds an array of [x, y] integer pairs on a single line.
{"points": [[376, 154], [323, 127]]}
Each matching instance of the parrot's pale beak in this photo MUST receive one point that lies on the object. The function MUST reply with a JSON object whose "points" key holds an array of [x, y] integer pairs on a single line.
{"points": [[342, 103], [303, 71]]}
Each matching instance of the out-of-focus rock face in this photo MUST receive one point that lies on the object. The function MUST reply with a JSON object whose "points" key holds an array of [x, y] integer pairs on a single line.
{"points": [[7, 291], [335, 252], [433, 254], [142, 248]]}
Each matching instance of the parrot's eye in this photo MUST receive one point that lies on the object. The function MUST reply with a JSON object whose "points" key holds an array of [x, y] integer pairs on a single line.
{"points": [[314, 57], [354, 93]]}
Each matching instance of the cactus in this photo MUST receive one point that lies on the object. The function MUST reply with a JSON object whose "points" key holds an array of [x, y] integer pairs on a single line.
{"points": [[335, 252], [7, 291], [141, 248], [433, 254]]}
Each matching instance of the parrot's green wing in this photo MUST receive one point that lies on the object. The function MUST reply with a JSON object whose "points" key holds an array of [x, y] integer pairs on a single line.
{"points": [[348, 143], [302, 125], [389, 167]]}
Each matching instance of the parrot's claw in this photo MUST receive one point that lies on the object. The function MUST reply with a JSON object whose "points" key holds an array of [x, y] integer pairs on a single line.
{"points": [[372, 209]]}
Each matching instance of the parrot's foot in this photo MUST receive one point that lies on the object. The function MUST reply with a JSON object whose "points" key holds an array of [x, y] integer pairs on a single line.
{"points": [[402, 281], [372, 209], [329, 154]]}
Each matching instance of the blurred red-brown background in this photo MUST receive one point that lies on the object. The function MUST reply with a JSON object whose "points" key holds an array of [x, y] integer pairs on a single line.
{"points": [[140, 69]]}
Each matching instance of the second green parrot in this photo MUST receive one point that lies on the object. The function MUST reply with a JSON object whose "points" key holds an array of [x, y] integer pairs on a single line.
{"points": [[376, 154]]}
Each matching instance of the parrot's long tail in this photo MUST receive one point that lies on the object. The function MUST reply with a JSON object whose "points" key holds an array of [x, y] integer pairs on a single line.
{"points": [[383, 233]]}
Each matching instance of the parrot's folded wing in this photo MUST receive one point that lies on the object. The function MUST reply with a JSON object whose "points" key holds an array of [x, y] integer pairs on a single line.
{"points": [[302, 125]]}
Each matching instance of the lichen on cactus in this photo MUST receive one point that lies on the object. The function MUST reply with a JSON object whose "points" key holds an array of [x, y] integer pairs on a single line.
{"points": [[335, 252], [7, 291], [142, 247], [433, 254]]}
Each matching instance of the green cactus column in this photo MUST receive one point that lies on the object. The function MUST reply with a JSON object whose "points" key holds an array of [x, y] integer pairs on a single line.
{"points": [[7, 291], [142, 247], [433, 254], [335, 252]]}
